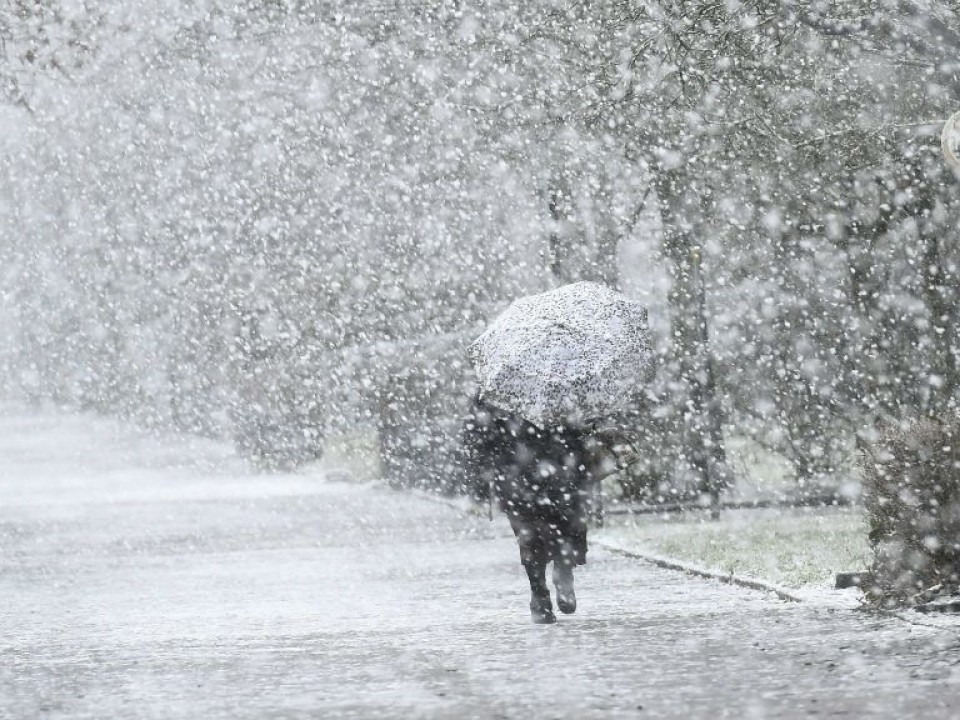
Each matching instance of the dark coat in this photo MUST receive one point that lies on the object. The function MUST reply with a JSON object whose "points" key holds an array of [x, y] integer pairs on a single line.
{"points": [[538, 477]]}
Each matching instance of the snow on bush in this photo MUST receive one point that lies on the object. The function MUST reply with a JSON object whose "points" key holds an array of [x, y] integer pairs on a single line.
{"points": [[911, 486]]}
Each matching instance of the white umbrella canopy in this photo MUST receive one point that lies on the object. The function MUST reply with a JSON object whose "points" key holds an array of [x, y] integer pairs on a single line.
{"points": [[579, 352]]}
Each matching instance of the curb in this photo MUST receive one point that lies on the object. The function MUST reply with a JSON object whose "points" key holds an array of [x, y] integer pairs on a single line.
{"points": [[689, 569], [924, 620]]}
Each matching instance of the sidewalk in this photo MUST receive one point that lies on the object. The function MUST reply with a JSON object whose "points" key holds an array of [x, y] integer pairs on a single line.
{"points": [[149, 578]]}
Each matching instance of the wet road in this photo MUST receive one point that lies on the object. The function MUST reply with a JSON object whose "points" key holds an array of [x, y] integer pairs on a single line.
{"points": [[158, 579]]}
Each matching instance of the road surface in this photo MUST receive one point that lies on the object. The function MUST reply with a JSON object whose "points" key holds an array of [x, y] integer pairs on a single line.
{"points": [[150, 577]]}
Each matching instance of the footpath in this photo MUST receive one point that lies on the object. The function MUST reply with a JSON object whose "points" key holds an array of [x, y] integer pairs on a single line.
{"points": [[147, 577]]}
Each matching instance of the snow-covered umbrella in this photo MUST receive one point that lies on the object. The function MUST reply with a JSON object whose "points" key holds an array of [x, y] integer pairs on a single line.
{"points": [[578, 352]]}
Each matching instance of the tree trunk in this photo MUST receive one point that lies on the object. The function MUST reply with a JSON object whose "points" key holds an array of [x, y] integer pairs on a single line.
{"points": [[558, 242], [697, 408]]}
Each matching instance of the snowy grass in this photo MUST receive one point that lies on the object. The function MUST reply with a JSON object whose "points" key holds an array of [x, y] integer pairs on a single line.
{"points": [[758, 468], [796, 549], [762, 472], [352, 455]]}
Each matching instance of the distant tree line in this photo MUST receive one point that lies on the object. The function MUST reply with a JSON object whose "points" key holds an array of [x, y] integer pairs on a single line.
{"points": [[278, 217]]}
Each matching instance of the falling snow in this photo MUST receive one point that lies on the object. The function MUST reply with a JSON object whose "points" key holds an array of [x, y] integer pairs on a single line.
{"points": [[268, 231]]}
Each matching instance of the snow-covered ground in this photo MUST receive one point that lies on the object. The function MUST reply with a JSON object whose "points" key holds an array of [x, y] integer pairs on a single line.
{"points": [[156, 577], [799, 549]]}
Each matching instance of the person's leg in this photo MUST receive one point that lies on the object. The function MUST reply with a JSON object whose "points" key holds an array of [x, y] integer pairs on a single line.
{"points": [[541, 609], [534, 557], [568, 550], [563, 582], [563, 563]]}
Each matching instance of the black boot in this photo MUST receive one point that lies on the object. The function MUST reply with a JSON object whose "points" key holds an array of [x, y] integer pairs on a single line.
{"points": [[541, 610], [563, 581]]}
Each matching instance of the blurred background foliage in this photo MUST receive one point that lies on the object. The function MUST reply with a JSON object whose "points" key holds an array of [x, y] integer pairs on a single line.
{"points": [[282, 221]]}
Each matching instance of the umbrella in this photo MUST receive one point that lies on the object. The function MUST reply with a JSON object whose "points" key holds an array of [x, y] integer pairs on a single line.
{"points": [[577, 352]]}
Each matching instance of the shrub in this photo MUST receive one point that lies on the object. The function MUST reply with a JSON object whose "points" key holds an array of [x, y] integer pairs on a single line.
{"points": [[911, 486]]}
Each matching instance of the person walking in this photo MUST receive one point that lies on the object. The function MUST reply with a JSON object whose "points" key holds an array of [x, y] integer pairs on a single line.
{"points": [[548, 366], [541, 481]]}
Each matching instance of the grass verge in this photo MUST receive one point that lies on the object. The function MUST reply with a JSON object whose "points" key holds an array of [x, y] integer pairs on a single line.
{"points": [[799, 548]]}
